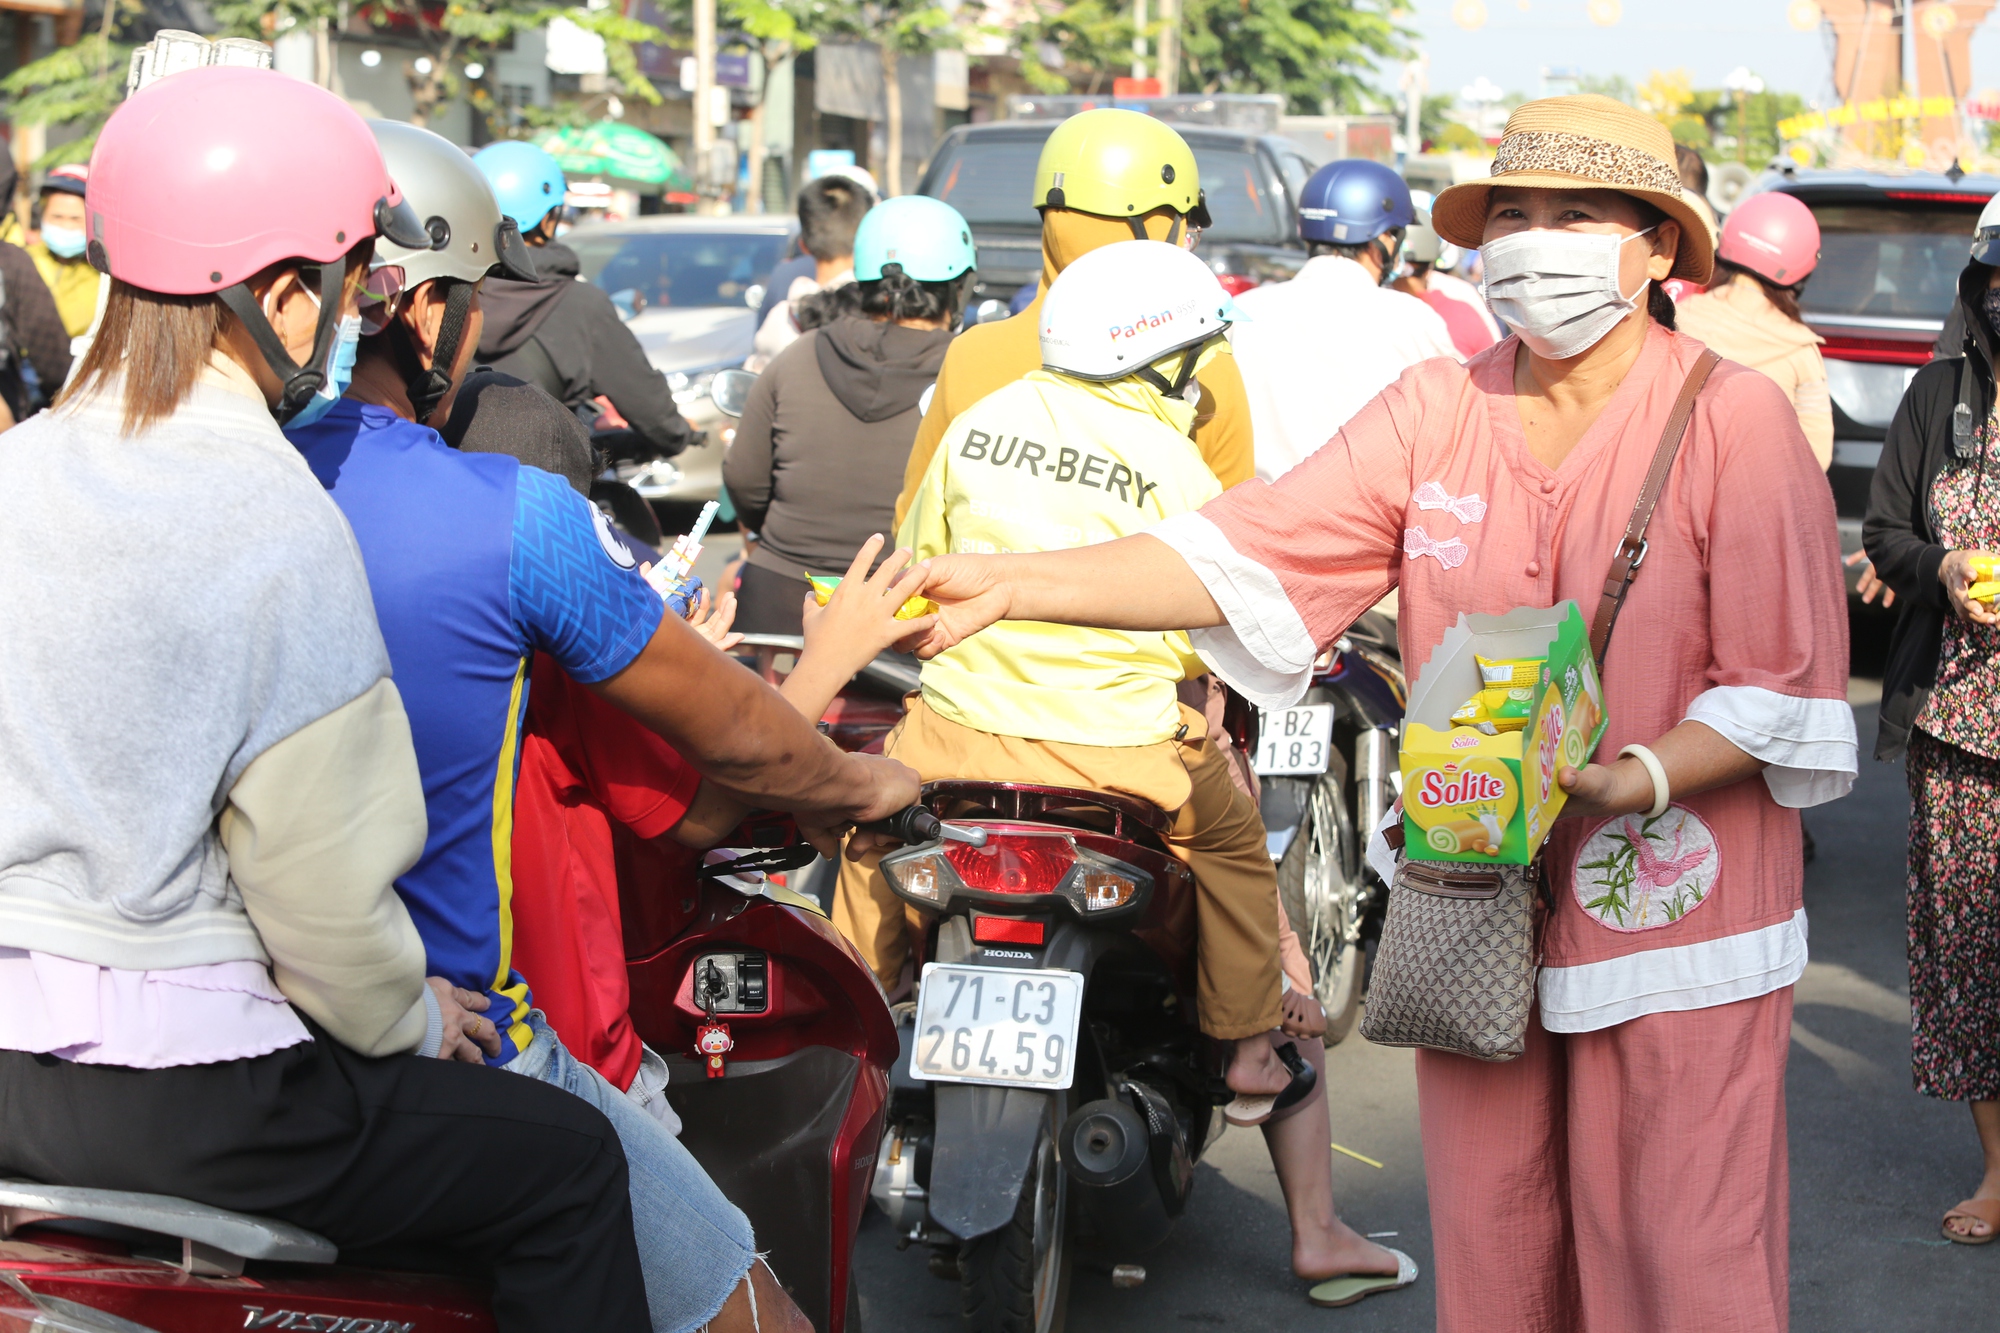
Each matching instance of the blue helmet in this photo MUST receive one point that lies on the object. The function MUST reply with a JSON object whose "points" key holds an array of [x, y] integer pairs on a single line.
{"points": [[525, 179], [1353, 201], [928, 237]]}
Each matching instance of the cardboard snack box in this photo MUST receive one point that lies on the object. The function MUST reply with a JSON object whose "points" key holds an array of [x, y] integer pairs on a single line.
{"points": [[1486, 799]]}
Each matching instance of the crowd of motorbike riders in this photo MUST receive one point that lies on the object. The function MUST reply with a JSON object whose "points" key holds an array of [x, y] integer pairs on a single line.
{"points": [[302, 568]]}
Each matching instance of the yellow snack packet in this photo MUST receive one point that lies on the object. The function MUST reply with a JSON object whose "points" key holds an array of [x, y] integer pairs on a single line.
{"points": [[1984, 592], [1510, 672], [823, 586], [1472, 712], [1495, 711]]}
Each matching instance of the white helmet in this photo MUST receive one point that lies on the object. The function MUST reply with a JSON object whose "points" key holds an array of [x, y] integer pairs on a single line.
{"points": [[1986, 235], [1120, 308]]}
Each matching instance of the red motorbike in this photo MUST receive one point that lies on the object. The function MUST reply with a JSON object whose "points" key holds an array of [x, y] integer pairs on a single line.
{"points": [[789, 1131]]}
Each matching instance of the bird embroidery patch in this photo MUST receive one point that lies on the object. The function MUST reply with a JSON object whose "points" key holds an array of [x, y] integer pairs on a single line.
{"points": [[1636, 873]]}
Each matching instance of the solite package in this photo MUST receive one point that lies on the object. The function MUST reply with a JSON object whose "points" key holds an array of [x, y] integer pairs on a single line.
{"points": [[1484, 796]]}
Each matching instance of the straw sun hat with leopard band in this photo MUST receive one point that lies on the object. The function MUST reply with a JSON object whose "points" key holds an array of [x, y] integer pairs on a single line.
{"points": [[1582, 143]]}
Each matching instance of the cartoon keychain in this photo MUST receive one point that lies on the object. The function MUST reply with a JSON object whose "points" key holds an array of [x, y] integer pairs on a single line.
{"points": [[712, 1040]]}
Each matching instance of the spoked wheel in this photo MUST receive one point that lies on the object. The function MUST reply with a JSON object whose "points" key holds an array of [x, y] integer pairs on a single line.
{"points": [[1016, 1279], [1319, 879]]}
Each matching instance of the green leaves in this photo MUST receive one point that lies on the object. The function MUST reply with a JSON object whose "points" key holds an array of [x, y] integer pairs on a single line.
{"points": [[1318, 53], [75, 85]]}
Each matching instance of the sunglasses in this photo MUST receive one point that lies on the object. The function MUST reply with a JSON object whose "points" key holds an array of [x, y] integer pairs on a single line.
{"points": [[377, 300]]}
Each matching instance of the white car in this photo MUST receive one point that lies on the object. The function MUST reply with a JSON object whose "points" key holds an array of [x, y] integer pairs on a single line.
{"points": [[689, 287]]}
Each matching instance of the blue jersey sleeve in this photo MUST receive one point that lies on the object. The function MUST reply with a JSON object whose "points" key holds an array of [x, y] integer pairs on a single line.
{"points": [[575, 589]]}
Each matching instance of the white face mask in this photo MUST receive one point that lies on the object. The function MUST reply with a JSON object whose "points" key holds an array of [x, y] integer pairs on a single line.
{"points": [[1558, 289]]}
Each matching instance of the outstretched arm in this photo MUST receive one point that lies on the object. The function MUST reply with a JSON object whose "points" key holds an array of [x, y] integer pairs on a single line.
{"points": [[1134, 583], [737, 731], [842, 637]]}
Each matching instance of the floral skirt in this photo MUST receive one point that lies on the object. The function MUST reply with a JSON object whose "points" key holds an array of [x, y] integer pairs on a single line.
{"points": [[1954, 920]]}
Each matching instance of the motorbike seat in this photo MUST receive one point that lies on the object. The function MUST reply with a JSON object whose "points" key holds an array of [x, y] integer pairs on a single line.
{"points": [[1111, 812], [213, 1241]]}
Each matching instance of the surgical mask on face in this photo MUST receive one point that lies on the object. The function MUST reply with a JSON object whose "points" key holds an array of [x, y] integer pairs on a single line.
{"points": [[1558, 289], [1990, 306], [64, 242], [339, 374]]}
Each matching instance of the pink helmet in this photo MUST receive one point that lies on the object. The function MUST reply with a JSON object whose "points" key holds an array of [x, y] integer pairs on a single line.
{"points": [[206, 177], [1774, 236]]}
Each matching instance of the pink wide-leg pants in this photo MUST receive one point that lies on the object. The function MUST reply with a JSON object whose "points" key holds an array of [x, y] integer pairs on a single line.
{"points": [[1629, 1180]]}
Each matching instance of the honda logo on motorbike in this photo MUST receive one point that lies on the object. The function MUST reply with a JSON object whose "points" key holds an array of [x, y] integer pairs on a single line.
{"points": [[257, 1317], [1437, 789]]}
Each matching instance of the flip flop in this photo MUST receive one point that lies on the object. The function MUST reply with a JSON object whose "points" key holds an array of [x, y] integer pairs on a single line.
{"points": [[1975, 1210], [1248, 1111], [1339, 1291]]}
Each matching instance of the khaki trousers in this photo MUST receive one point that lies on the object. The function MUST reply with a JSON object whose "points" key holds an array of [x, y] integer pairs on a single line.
{"points": [[1216, 831]]}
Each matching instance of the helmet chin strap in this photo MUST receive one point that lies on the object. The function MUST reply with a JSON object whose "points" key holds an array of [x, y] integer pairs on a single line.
{"points": [[427, 385], [1180, 381], [299, 383], [1138, 226]]}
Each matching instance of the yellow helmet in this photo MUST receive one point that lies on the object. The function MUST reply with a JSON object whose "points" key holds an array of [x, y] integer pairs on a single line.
{"points": [[1119, 164]]}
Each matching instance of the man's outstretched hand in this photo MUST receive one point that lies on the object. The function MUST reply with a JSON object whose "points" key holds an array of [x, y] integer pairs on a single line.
{"points": [[971, 594]]}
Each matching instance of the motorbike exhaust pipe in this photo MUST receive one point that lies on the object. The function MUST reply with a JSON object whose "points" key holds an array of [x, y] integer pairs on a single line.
{"points": [[1373, 761], [1104, 1145]]}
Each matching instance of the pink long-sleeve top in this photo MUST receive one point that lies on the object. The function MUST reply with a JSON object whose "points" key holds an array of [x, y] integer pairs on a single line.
{"points": [[1737, 619]]}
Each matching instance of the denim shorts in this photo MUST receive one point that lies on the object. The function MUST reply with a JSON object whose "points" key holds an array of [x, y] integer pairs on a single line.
{"points": [[694, 1245]]}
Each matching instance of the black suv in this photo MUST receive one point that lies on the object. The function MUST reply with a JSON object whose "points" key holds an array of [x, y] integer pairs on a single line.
{"points": [[1891, 250], [987, 172]]}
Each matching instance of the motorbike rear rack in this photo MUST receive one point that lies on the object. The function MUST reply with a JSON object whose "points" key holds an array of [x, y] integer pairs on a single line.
{"points": [[214, 1242], [1035, 803]]}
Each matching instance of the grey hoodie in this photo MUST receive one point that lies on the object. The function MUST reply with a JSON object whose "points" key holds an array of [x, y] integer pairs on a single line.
{"points": [[819, 455]]}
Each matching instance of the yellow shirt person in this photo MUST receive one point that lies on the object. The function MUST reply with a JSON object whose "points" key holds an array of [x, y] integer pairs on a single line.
{"points": [[1044, 464]]}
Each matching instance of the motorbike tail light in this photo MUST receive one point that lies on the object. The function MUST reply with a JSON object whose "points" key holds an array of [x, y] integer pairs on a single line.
{"points": [[920, 877], [1104, 890], [1013, 863], [1001, 930]]}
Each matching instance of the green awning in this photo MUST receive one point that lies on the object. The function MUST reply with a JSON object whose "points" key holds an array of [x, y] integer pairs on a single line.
{"points": [[614, 151]]}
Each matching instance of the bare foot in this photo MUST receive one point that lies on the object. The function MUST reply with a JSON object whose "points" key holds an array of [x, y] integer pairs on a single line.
{"points": [[1255, 1070], [1320, 1253]]}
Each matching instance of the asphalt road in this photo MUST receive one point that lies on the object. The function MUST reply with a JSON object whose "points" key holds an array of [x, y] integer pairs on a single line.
{"points": [[1874, 1165]]}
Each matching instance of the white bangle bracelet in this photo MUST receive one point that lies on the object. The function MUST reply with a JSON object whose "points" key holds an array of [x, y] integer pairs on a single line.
{"points": [[1659, 776]]}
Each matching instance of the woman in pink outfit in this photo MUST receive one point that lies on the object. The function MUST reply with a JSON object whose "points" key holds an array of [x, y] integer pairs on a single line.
{"points": [[1628, 1172]]}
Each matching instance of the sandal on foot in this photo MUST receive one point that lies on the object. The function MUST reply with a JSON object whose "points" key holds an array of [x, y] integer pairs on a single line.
{"points": [[1339, 1291], [1249, 1110], [1974, 1210]]}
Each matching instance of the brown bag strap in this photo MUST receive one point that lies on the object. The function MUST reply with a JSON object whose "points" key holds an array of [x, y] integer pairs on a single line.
{"points": [[1632, 547]]}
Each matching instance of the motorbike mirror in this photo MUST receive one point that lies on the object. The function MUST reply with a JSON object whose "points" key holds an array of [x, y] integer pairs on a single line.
{"points": [[730, 390]]}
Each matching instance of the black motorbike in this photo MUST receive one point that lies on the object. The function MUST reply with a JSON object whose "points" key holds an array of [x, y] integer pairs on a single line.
{"points": [[1328, 773]]}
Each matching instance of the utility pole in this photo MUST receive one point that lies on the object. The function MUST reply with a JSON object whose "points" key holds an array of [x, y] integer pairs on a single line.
{"points": [[705, 185], [1416, 82], [1138, 39], [1169, 56]]}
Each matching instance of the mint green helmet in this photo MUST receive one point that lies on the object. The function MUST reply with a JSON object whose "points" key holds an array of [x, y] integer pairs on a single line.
{"points": [[928, 237]]}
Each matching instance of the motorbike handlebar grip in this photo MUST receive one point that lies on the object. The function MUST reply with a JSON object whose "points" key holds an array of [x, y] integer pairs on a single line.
{"points": [[911, 824]]}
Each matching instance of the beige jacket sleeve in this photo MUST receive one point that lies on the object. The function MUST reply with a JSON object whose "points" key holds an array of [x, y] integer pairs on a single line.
{"points": [[317, 829], [1812, 402]]}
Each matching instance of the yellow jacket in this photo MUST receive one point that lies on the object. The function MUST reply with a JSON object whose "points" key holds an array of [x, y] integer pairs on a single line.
{"points": [[987, 356], [73, 282], [1045, 464]]}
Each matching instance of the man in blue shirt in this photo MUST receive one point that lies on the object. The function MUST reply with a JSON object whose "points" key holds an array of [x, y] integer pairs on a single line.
{"points": [[476, 563]]}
